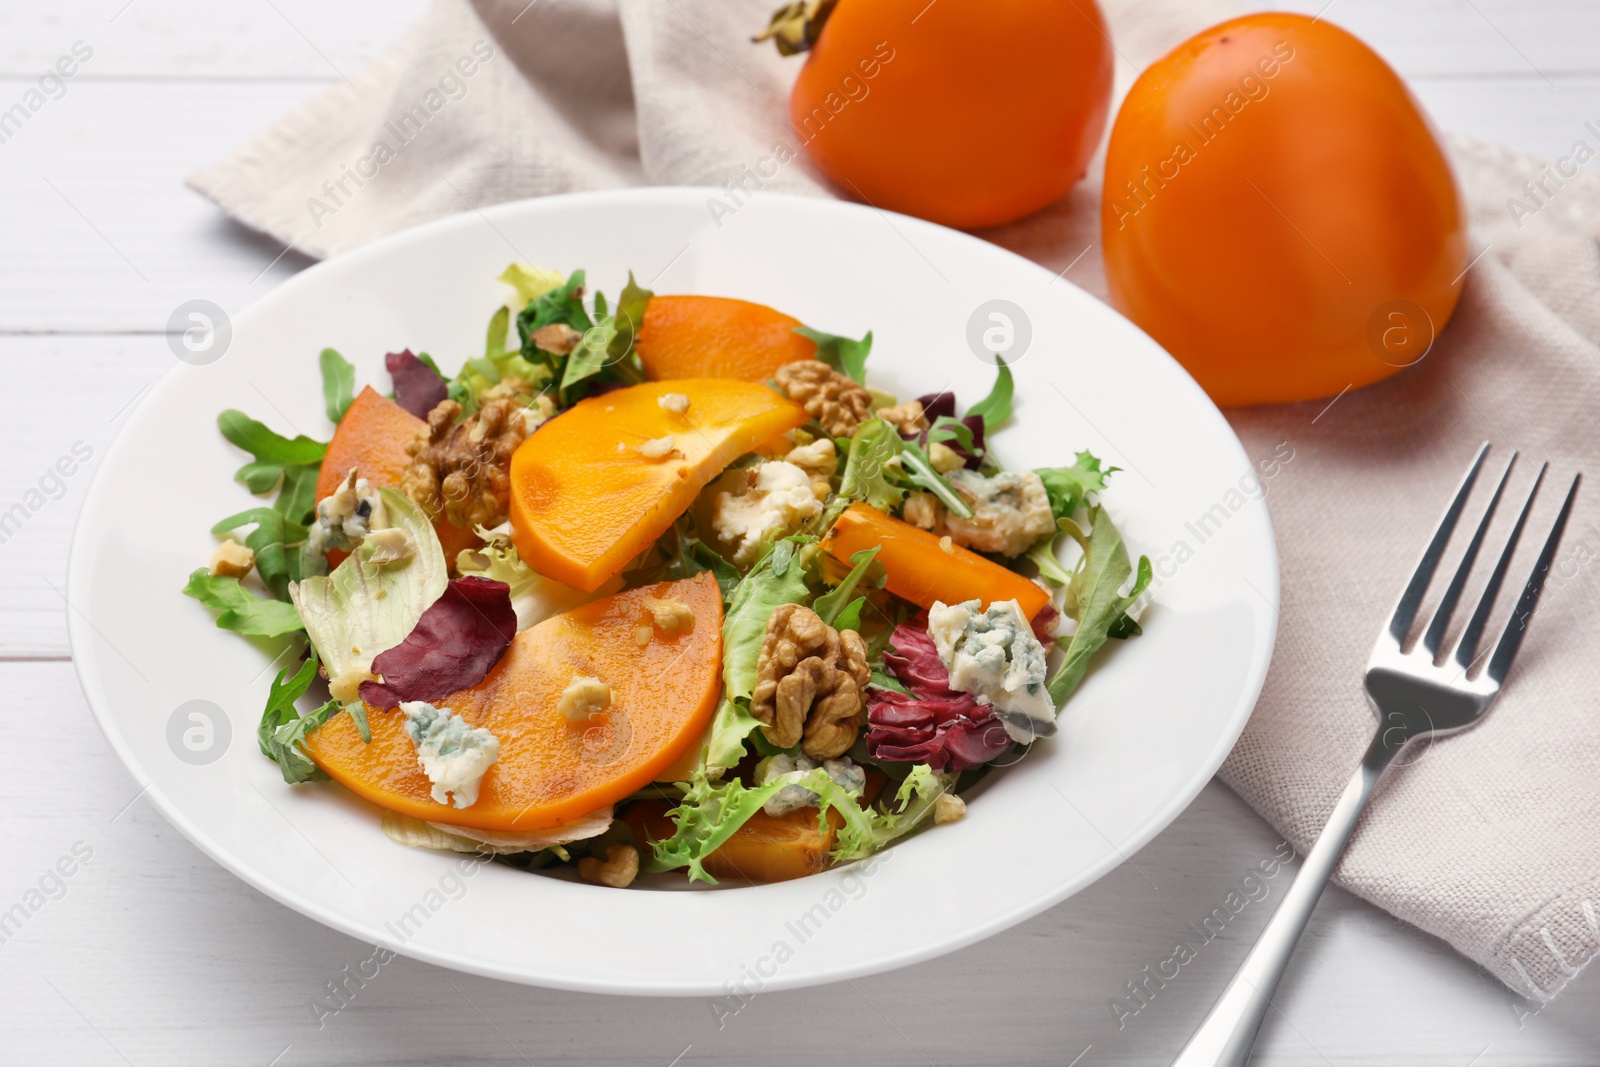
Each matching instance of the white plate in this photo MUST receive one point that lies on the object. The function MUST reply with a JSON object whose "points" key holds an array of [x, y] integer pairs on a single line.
{"points": [[1150, 725]]}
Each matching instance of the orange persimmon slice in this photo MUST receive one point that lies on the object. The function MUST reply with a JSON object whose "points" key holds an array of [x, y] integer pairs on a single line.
{"points": [[597, 484], [921, 570], [551, 771], [717, 337]]}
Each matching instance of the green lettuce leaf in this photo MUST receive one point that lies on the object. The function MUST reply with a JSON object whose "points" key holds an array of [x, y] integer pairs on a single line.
{"points": [[534, 597], [338, 383], [865, 477], [844, 355], [241, 610], [529, 283], [1094, 598], [363, 608], [1069, 487], [711, 812], [996, 407], [730, 727], [778, 578]]}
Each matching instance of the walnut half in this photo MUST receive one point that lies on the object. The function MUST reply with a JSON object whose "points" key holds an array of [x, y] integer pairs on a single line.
{"points": [[809, 683], [836, 401], [463, 469]]}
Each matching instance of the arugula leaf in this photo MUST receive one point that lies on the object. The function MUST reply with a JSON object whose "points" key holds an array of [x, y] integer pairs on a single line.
{"points": [[832, 604], [338, 383], [1070, 486], [1043, 554], [281, 695], [271, 540], [286, 746], [272, 451], [841, 353], [865, 470], [920, 471], [282, 732], [949, 428], [629, 317], [1094, 598], [688, 557], [239, 609], [563, 304], [850, 617], [297, 497], [995, 408], [592, 353]]}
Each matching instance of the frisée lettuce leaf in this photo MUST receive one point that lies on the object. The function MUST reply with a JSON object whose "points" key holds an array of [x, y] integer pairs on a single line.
{"points": [[364, 608]]}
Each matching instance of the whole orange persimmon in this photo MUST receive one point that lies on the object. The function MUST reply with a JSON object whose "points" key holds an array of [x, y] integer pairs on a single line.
{"points": [[1278, 212], [967, 112]]}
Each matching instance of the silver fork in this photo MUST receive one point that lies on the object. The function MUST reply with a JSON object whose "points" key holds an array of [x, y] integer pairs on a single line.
{"points": [[1414, 698]]}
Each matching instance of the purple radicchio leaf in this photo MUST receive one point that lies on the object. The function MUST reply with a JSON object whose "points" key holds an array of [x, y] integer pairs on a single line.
{"points": [[416, 387], [455, 643], [933, 724], [943, 405]]}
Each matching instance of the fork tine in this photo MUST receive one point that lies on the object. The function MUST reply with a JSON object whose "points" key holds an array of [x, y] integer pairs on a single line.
{"points": [[1467, 648], [1447, 603], [1406, 610], [1511, 639]]}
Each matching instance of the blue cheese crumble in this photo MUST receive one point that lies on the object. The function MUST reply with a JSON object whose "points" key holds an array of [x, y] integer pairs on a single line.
{"points": [[844, 772], [346, 516], [453, 755], [994, 655]]}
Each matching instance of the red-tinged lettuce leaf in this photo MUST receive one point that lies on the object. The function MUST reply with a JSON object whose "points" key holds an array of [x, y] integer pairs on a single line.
{"points": [[417, 387], [931, 724], [455, 643]]}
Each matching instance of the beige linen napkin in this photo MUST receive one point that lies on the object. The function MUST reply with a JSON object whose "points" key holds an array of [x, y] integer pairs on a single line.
{"points": [[1488, 840]]}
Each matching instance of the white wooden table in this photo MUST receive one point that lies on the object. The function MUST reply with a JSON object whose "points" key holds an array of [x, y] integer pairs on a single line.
{"points": [[151, 954]]}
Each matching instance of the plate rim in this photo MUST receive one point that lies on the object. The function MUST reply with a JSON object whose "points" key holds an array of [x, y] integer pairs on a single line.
{"points": [[81, 633]]}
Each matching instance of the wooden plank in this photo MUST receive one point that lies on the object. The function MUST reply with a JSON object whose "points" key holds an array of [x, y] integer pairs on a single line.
{"points": [[1506, 38], [53, 442], [315, 39], [115, 248], [156, 954], [200, 39]]}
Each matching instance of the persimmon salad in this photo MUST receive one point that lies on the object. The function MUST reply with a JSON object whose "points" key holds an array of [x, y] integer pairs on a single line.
{"points": [[687, 596]]}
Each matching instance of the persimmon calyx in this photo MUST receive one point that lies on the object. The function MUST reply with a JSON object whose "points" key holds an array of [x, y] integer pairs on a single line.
{"points": [[795, 27]]}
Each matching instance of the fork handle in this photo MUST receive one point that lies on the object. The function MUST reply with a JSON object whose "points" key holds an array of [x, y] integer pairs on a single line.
{"points": [[1228, 1033]]}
